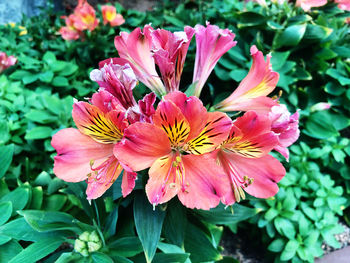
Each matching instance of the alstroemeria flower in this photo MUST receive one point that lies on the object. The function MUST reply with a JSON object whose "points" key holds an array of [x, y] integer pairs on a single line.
{"points": [[174, 146], [109, 14], [87, 152], [170, 51], [343, 4], [308, 4], [253, 89], [85, 17], [69, 32], [119, 81], [285, 126], [6, 61], [135, 48], [244, 158], [212, 42]]}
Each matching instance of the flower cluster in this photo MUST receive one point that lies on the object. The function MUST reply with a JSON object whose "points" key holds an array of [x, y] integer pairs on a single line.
{"points": [[6, 61], [201, 157], [84, 18]]}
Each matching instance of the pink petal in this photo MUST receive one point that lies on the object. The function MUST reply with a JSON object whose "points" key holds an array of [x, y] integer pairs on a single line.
{"points": [[102, 127], [170, 51], [163, 183], [142, 144], [170, 118], [251, 136], [193, 110], [204, 185], [128, 182], [99, 183], [259, 82], [75, 151], [119, 80], [258, 176], [212, 42], [136, 48], [217, 129]]}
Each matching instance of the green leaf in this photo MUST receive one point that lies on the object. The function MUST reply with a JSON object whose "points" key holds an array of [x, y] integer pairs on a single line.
{"points": [[69, 69], [49, 57], [175, 223], [46, 76], [148, 224], [290, 250], [278, 59], [19, 198], [337, 75], [220, 215], [54, 202], [39, 132], [291, 36], [250, 19], [316, 32], [99, 257], [277, 245], [173, 257], [126, 246], [199, 246], [271, 214], [320, 125], [6, 211], [44, 221], [6, 154], [285, 227], [37, 250], [40, 116], [60, 82], [9, 251]]}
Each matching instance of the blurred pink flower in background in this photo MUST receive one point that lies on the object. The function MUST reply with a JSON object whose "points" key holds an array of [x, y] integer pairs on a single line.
{"points": [[308, 4], [109, 14], [6, 61], [343, 4]]}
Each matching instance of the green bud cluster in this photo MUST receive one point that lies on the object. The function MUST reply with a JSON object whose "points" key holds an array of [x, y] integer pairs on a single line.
{"points": [[87, 243]]}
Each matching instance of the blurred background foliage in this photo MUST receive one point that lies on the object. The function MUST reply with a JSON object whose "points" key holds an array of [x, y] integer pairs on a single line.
{"points": [[44, 218]]}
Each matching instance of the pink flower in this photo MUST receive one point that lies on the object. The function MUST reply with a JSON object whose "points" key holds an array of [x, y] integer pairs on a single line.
{"points": [[87, 152], [308, 4], [119, 81], [212, 42], [85, 17], [285, 126], [253, 89], [343, 4], [110, 16], [174, 147], [69, 32], [244, 159], [135, 48], [169, 52], [6, 61]]}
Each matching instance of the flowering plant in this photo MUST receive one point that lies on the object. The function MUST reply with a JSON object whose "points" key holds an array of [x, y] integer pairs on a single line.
{"points": [[84, 18], [199, 156]]}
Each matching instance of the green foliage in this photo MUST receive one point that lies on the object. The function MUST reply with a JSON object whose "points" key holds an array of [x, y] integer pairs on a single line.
{"points": [[44, 218]]}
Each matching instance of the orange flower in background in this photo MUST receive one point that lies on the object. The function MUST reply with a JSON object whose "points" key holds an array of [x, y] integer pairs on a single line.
{"points": [[109, 14], [83, 18]]}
